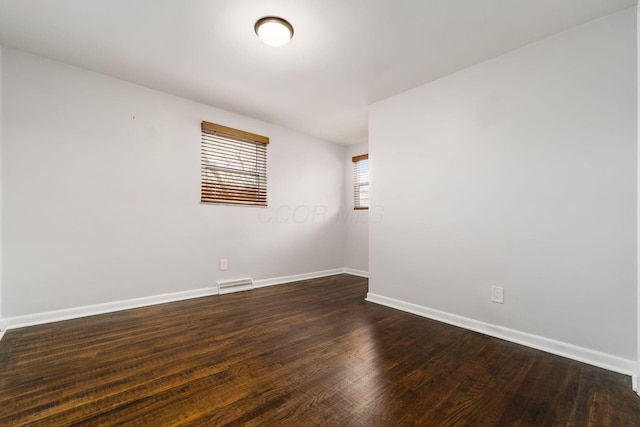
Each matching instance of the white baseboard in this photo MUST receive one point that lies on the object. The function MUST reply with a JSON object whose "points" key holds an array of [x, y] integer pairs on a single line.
{"points": [[91, 310], [580, 354], [355, 272], [235, 289], [296, 277], [592, 357]]}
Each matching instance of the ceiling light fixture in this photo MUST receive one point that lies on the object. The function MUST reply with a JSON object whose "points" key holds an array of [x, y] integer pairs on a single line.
{"points": [[274, 31]]}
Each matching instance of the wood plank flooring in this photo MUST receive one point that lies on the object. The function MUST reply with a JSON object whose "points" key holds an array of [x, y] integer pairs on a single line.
{"points": [[312, 353]]}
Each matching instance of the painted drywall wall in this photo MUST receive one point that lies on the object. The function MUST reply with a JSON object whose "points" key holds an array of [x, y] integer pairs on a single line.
{"points": [[1, 325], [356, 239], [101, 194], [518, 172], [638, 199]]}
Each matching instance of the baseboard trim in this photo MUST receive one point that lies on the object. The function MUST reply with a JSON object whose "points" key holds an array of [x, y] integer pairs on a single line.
{"points": [[92, 310], [592, 357], [109, 307], [296, 277], [355, 272], [580, 354]]}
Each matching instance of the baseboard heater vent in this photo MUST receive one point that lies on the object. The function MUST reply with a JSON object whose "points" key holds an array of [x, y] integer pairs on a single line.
{"points": [[229, 286]]}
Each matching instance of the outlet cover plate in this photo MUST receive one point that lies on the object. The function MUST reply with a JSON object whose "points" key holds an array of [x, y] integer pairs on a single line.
{"points": [[497, 294]]}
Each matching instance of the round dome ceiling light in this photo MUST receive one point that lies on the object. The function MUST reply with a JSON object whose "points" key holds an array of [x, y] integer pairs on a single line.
{"points": [[274, 31]]}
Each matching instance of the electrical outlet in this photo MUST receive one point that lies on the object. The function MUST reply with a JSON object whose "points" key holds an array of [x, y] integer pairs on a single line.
{"points": [[224, 264], [497, 294]]}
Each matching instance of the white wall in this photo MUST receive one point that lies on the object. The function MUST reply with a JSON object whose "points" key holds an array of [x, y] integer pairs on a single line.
{"points": [[356, 239], [101, 194], [1, 102], [518, 172], [638, 197]]}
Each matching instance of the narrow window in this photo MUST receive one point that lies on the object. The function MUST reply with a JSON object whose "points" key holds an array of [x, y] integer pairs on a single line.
{"points": [[361, 181], [233, 166]]}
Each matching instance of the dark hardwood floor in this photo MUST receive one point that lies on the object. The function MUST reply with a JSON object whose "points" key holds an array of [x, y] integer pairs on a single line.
{"points": [[312, 353]]}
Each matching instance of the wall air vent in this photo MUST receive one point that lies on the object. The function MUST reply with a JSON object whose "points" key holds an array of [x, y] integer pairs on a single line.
{"points": [[229, 286]]}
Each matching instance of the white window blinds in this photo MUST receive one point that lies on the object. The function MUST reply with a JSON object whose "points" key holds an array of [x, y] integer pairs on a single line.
{"points": [[233, 166], [361, 181]]}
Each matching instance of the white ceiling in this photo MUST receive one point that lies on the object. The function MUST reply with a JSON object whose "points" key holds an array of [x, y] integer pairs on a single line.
{"points": [[345, 54]]}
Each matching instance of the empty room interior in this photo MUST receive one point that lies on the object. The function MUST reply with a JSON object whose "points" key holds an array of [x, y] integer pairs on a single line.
{"points": [[319, 212]]}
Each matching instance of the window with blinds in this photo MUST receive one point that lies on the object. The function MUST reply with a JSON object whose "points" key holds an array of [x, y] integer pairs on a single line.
{"points": [[361, 181], [233, 166]]}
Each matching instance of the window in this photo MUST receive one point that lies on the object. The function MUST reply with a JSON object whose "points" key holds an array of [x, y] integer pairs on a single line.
{"points": [[361, 181], [233, 166]]}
